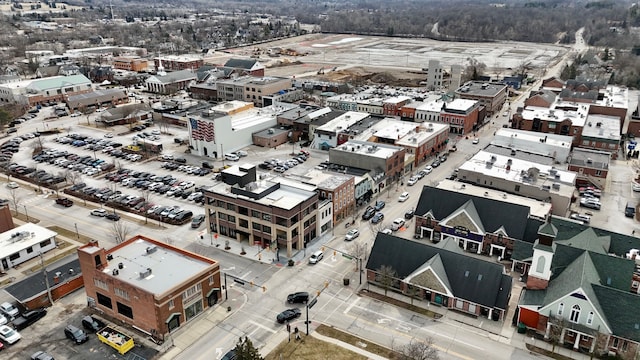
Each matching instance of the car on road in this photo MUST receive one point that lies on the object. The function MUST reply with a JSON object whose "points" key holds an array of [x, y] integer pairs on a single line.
{"points": [[397, 224], [368, 213], [9, 335], [428, 169], [28, 317], [379, 205], [378, 217], [231, 157], [475, 141], [230, 355], [113, 216], [13, 185], [197, 221], [352, 234], [301, 297], [413, 180], [92, 324], [99, 212], [9, 310], [409, 214], [288, 315], [315, 257], [41, 355], [66, 202], [75, 334], [386, 231], [403, 197], [241, 153], [435, 163]]}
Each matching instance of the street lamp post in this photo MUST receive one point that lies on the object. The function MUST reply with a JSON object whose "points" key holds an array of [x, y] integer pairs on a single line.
{"points": [[77, 233], [25, 212]]}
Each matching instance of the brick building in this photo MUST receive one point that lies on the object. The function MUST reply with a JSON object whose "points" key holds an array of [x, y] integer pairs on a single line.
{"points": [[338, 188], [393, 106], [461, 115], [490, 95], [176, 63], [276, 213], [130, 63], [149, 284]]}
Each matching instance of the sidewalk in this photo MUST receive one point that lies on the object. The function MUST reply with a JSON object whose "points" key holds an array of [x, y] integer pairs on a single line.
{"points": [[355, 349]]}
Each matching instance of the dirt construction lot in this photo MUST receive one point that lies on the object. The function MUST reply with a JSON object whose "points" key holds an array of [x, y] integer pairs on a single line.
{"points": [[398, 56]]}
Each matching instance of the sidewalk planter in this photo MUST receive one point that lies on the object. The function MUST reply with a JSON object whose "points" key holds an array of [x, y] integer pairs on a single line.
{"points": [[290, 262], [345, 281]]}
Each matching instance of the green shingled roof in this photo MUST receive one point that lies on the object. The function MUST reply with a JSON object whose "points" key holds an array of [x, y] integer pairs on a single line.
{"points": [[621, 310], [58, 82]]}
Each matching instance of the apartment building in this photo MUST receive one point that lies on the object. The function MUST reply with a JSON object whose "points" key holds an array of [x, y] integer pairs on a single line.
{"points": [[149, 284], [272, 212]]}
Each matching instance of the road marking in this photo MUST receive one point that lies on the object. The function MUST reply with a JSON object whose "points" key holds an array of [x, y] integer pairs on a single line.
{"points": [[350, 306], [262, 327], [244, 276], [383, 321], [229, 268]]}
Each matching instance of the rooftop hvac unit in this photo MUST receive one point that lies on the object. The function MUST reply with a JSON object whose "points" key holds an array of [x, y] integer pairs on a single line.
{"points": [[486, 193], [556, 186], [589, 161], [120, 265], [109, 257], [151, 249], [546, 187], [270, 131], [115, 272]]}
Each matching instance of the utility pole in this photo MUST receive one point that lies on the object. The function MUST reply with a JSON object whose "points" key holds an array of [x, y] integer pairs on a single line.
{"points": [[46, 278], [313, 302]]}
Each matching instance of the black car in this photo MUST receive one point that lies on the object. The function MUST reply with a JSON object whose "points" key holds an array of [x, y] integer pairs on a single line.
{"points": [[368, 213], [298, 298], [28, 317], [112, 216], [378, 217], [231, 355], [64, 202], [409, 214], [197, 221], [207, 165], [76, 335], [379, 205], [92, 324], [288, 315]]}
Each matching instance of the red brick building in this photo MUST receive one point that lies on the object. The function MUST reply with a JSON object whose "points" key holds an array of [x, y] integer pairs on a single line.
{"points": [[175, 63], [393, 106], [149, 284]]}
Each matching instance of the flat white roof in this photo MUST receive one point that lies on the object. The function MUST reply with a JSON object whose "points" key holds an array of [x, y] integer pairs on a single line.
{"points": [[431, 106], [397, 99], [290, 194], [615, 96], [461, 104], [535, 142], [518, 170], [427, 131], [538, 209], [368, 148], [390, 128], [22, 237], [578, 117], [602, 126], [169, 268], [251, 117], [229, 106], [343, 122]]}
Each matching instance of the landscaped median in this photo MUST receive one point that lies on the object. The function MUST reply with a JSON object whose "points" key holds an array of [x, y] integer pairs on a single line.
{"points": [[311, 348]]}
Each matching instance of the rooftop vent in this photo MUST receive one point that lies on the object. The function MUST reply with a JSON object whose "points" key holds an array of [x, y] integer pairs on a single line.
{"points": [[556, 186], [589, 161], [109, 257], [151, 249], [120, 266], [115, 272]]}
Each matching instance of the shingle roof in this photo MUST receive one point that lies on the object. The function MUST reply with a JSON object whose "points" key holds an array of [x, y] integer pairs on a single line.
{"points": [[621, 310], [588, 240], [246, 64], [470, 278], [493, 214], [620, 244]]}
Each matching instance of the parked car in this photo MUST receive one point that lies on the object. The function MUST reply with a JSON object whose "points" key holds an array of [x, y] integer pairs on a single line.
{"points": [[9, 335], [112, 216], [475, 141], [413, 180], [3, 320], [41, 355], [403, 197], [378, 217], [9, 310], [12, 185], [288, 315], [241, 153], [28, 317], [397, 224], [379, 205], [92, 324], [75, 334], [231, 157], [230, 355], [197, 221], [298, 298], [315, 257], [580, 217], [352, 234], [386, 231], [435, 163], [590, 203], [66, 202]]}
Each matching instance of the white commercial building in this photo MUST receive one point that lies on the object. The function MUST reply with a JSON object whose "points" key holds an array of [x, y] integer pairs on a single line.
{"points": [[552, 145], [24, 243], [326, 136]]}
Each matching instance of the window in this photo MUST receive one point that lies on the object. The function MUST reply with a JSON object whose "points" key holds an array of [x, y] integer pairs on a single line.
{"points": [[590, 318], [171, 304], [104, 300], [231, 218], [540, 264], [255, 214], [266, 229], [256, 226], [191, 291], [220, 203], [560, 309], [243, 223], [222, 216], [243, 210], [575, 314], [212, 280], [125, 310], [121, 293], [266, 217], [45, 243], [29, 249], [100, 284], [15, 256], [231, 207]]}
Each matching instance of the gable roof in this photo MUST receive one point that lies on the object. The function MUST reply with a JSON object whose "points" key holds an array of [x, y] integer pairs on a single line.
{"points": [[476, 280], [467, 216], [246, 64], [621, 310], [174, 76], [619, 244], [588, 240], [493, 214], [431, 275]]}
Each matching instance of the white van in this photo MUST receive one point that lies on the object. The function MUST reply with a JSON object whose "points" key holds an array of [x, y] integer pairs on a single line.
{"points": [[231, 157], [315, 257]]}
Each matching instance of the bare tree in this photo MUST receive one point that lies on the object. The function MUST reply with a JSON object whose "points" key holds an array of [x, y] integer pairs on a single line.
{"points": [[418, 350], [145, 194], [555, 331], [16, 199], [120, 231], [386, 277], [412, 292]]}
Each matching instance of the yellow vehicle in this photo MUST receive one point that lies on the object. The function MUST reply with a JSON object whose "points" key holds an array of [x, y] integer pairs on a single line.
{"points": [[116, 339]]}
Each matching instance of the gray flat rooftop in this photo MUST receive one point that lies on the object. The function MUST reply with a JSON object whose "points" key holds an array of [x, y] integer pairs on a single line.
{"points": [[169, 268]]}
